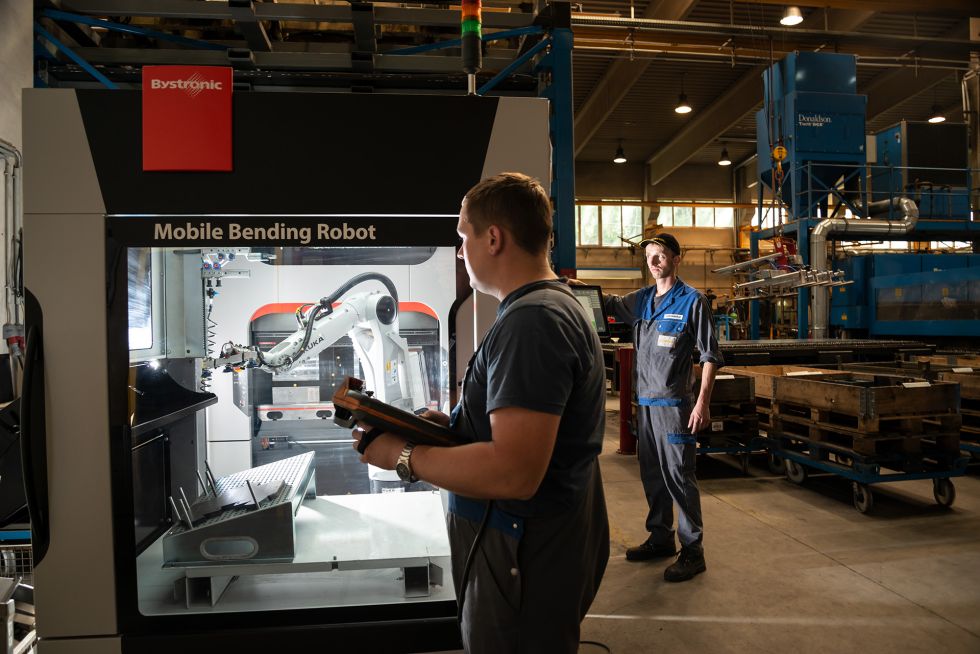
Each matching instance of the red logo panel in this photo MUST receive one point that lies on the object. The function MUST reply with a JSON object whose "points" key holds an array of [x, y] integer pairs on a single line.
{"points": [[187, 118]]}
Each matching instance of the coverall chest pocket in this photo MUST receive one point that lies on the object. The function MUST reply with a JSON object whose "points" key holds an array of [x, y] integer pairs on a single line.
{"points": [[669, 332]]}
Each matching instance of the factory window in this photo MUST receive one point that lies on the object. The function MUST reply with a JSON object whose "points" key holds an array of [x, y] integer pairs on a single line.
{"points": [[608, 225], [951, 246], [770, 217], [702, 215], [875, 245]]}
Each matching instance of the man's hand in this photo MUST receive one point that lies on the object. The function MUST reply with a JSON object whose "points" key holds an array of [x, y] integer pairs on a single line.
{"points": [[700, 418], [437, 417], [383, 451]]}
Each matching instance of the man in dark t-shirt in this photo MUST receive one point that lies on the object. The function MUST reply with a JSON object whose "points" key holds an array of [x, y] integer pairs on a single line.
{"points": [[532, 413]]}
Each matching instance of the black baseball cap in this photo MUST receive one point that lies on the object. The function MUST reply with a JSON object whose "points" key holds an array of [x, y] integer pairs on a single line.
{"points": [[663, 239]]}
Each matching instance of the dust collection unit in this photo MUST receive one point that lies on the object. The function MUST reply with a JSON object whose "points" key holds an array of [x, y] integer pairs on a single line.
{"points": [[914, 185], [186, 331]]}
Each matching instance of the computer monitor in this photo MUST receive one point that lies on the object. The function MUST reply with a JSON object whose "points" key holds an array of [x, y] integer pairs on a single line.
{"points": [[590, 297]]}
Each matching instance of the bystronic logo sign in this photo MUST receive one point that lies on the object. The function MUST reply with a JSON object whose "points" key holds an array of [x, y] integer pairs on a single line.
{"points": [[192, 86], [813, 120]]}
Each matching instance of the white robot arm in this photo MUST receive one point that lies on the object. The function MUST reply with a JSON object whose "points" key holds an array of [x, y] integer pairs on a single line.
{"points": [[390, 369]]}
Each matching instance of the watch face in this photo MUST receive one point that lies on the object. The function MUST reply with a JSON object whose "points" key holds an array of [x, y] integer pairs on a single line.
{"points": [[403, 472]]}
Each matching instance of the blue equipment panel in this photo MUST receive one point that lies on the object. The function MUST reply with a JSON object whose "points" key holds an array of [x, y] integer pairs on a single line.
{"points": [[926, 162], [909, 295]]}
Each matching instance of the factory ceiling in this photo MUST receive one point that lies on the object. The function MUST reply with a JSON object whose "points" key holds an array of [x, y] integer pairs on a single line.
{"points": [[631, 58]]}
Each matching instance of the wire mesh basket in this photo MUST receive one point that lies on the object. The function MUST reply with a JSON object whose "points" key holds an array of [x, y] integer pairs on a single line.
{"points": [[17, 561]]}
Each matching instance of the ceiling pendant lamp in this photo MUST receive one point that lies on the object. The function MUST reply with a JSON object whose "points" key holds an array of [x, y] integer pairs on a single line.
{"points": [[620, 157], [725, 160], [936, 115], [791, 16], [683, 106]]}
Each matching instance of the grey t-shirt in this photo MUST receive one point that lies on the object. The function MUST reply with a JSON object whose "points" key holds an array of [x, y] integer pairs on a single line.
{"points": [[541, 354]]}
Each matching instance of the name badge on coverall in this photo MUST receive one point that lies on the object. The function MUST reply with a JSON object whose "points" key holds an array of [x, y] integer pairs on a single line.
{"points": [[665, 340]]}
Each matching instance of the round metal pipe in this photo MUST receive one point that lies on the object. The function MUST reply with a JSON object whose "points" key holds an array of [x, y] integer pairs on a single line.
{"points": [[858, 228]]}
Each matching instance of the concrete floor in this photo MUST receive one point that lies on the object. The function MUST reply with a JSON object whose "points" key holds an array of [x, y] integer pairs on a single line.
{"points": [[793, 568]]}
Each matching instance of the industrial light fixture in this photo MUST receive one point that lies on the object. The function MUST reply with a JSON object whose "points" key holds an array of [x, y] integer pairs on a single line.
{"points": [[936, 115], [791, 16], [725, 160], [620, 157], [683, 107]]}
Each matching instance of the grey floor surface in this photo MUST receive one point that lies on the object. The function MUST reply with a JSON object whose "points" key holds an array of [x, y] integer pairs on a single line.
{"points": [[794, 568]]}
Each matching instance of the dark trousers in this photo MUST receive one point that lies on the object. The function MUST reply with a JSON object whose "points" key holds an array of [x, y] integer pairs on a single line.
{"points": [[529, 596], [667, 450]]}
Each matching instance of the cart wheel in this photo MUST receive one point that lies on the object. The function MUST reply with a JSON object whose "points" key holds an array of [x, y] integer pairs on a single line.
{"points": [[944, 491], [744, 461], [863, 499], [795, 472], [776, 465]]}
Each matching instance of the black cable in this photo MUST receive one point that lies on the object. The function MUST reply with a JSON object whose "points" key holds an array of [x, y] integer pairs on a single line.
{"points": [[357, 279], [596, 643], [326, 305], [469, 560]]}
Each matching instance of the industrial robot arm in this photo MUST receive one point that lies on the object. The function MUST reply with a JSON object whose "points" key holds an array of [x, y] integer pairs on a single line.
{"points": [[371, 320]]}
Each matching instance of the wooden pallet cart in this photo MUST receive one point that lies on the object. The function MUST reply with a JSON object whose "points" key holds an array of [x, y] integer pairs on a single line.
{"points": [[734, 428], [927, 368], [868, 428], [969, 380], [763, 380]]}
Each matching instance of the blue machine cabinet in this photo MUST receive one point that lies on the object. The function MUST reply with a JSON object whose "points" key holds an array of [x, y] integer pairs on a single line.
{"points": [[909, 295], [927, 162]]}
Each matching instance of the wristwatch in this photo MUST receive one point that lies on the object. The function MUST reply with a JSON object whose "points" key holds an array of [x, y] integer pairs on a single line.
{"points": [[404, 465]]}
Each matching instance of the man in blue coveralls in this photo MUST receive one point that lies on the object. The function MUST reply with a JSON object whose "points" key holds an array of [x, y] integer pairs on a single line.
{"points": [[670, 319]]}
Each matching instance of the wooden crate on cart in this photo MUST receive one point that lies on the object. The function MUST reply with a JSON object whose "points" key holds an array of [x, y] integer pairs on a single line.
{"points": [[967, 377], [969, 381], [952, 360], [902, 421], [734, 420], [764, 381]]}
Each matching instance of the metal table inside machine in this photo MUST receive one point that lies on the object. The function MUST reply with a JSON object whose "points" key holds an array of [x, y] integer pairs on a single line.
{"points": [[350, 550]]}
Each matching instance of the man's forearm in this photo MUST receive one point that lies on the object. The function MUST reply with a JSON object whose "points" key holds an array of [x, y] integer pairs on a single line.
{"points": [[475, 470], [708, 372]]}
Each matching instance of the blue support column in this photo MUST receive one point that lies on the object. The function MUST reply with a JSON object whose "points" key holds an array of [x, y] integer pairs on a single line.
{"points": [[562, 138]]}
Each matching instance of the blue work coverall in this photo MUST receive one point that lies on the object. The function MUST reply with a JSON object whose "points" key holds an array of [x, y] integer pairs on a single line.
{"points": [[666, 332]]}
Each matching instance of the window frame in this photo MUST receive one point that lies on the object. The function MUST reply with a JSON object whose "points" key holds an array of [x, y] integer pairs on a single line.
{"points": [[616, 205]]}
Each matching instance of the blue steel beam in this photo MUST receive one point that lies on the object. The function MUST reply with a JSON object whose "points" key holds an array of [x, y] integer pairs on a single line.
{"points": [[513, 66], [559, 92], [86, 66], [54, 14]]}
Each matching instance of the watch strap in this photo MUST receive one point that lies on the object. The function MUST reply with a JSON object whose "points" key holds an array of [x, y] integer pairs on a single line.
{"points": [[405, 458]]}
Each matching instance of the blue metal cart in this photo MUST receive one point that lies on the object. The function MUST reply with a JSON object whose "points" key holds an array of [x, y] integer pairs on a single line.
{"points": [[795, 458]]}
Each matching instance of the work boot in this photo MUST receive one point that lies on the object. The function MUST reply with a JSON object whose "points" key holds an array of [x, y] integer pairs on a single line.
{"points": [[648, 550], [689, 563]]}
